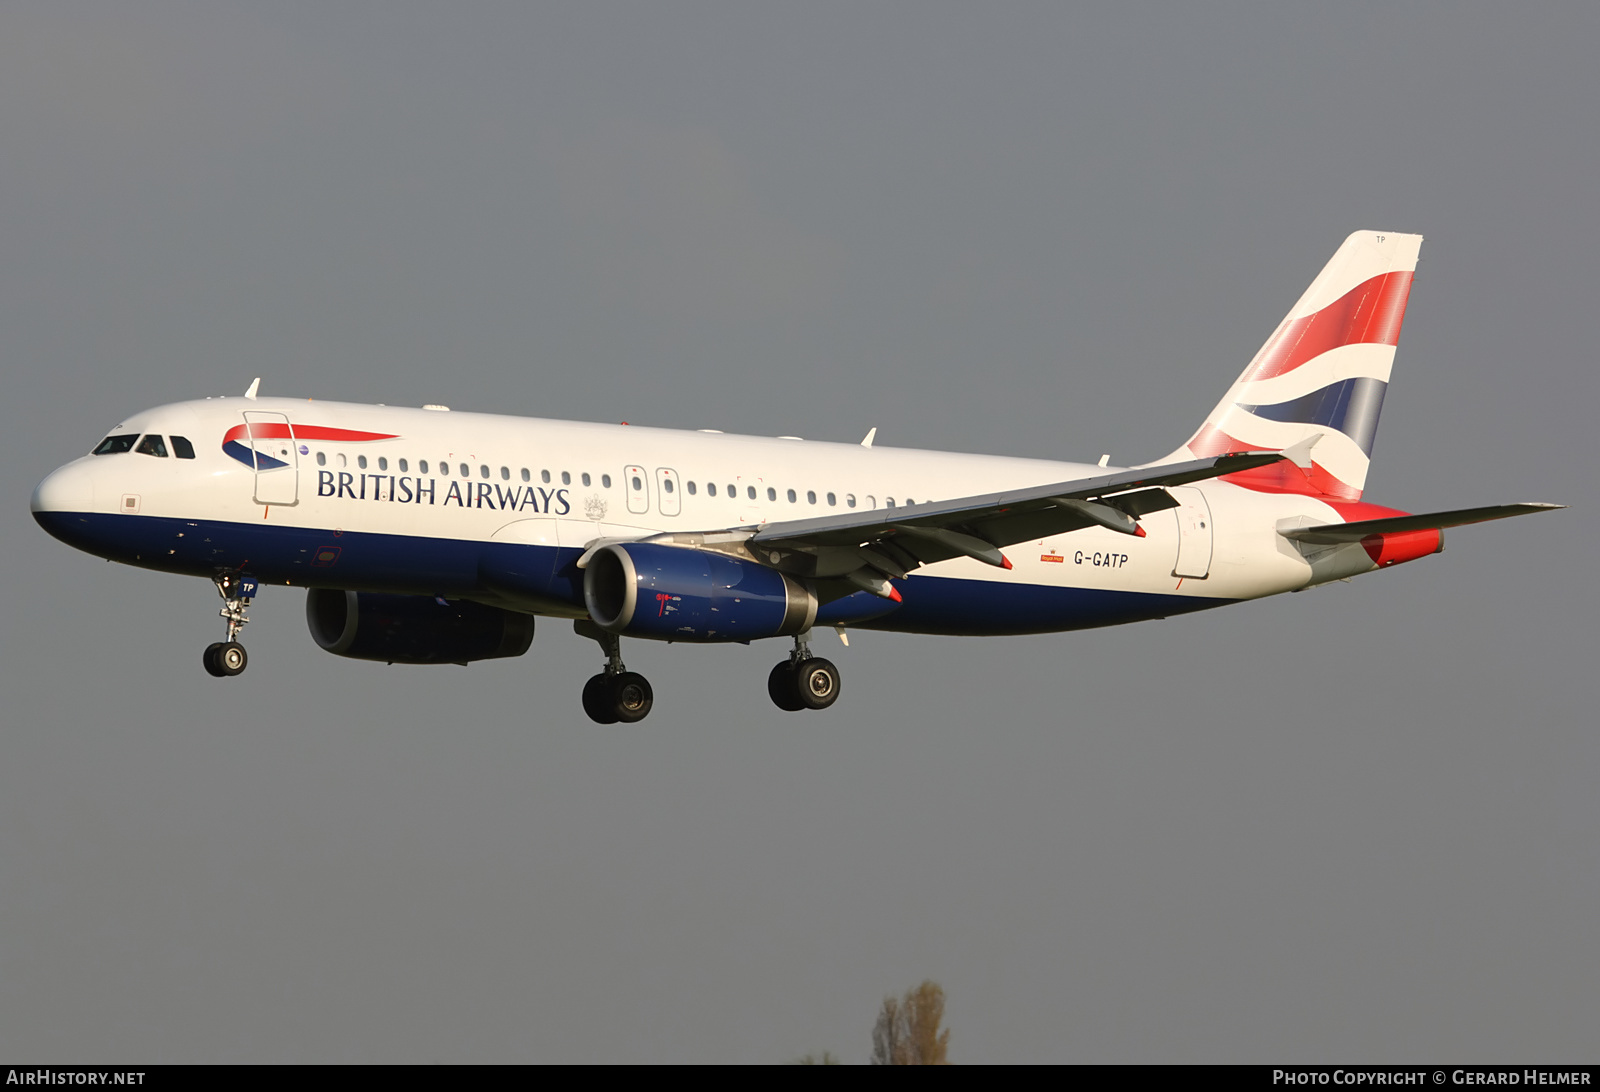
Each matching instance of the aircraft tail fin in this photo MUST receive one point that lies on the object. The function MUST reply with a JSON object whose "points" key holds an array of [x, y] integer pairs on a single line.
{"points": [[1321, 376]]}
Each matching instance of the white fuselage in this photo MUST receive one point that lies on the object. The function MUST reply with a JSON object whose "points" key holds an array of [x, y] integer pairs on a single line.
{"points": [[398, 499]]}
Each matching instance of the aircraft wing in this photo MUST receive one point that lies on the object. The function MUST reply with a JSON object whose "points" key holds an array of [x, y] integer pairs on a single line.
{"points": [[1332, 533], [893, 541]]}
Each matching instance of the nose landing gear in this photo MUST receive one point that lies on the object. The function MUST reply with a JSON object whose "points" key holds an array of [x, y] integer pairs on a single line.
{"points": [[803, 681], [225, 659]]}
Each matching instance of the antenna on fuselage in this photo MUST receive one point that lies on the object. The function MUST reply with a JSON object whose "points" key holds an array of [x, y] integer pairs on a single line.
{"points": [[871, 434], [255, 385]]}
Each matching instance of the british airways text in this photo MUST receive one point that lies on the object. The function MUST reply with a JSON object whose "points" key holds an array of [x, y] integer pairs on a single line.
{"points": [[403, 490]]}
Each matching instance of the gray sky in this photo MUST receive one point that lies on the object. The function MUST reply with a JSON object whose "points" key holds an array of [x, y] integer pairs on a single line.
{"points": [[1357, 823]]}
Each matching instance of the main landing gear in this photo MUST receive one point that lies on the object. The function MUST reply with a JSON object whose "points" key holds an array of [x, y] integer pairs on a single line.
{"points": [[225, 659], [616, 695], [803, 681]]}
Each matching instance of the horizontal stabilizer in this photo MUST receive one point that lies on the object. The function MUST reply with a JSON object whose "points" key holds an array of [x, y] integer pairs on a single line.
{"points": [[1333, 533]]}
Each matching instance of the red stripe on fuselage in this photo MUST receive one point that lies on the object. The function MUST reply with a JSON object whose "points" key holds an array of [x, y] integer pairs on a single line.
{"points": [[268, 430], [1368, 314], [1397, 546]]}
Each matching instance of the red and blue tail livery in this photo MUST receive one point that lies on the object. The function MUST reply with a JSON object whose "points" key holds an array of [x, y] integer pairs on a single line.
{"points": [[1323, 372], [427, 536]]}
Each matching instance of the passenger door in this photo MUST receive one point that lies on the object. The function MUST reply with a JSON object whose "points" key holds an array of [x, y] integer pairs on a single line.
{"points": [[277, 461]]}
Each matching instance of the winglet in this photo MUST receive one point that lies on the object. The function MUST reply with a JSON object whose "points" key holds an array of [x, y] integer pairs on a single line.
{"points": [[255, 385], [871, 432]]}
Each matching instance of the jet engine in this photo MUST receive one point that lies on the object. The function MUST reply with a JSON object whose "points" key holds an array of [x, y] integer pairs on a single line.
{"points": [[413, 629], [677, 593]]}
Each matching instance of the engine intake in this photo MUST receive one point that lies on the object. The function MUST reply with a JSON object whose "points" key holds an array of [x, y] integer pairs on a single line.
{"points": [[676, 593], [413, 629]]}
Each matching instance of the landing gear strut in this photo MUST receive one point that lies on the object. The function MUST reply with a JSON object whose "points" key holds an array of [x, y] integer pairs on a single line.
{"points": [[228, 658], [803, 681], [616, 695]]}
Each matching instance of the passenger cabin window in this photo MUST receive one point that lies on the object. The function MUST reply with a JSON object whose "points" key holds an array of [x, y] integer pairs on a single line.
{"points": [[849, 500], [752, 492], [466, 471], [666, 484], [772, 494], [526, 476], [182, 448], [544, 476], [483, 471], [711, 489], [586, 478], [811, 496], [566, 478], [152, 445], [383, 464], [322, 458], [444, 468], [832, 502], [405, 467], [791, 496], [691, 488], [361, 462], [605, 481], [422, 466], [505, 473], [116, 445]]}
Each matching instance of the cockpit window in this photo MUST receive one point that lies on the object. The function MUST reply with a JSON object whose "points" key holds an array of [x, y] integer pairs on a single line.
{"points": [[152, 445], [116, 445], [182, 448]]}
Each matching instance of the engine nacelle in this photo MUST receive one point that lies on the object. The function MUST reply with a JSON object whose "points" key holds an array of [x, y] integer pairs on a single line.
{"points": [[413, 629], [675, 593]]}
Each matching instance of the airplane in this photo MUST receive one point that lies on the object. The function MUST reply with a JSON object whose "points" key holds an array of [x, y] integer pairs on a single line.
{"points": [[426, 535]]}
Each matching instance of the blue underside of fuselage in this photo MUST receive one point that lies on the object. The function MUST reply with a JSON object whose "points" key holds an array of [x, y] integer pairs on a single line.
{"points": [[408, 565]]}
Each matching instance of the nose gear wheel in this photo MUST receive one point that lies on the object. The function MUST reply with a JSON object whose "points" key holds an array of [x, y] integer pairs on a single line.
{"points": [[225, 659]]}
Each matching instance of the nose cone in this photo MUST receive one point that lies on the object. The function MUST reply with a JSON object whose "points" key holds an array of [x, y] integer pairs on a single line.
{"points": [[63, 498], [68, 489]]}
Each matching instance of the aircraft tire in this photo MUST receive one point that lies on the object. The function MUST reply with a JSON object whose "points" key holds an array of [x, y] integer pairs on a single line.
{"points": [[631, 697], [783, 689], [213, 665], [231, 659], [597, 700], [816, 683]]}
